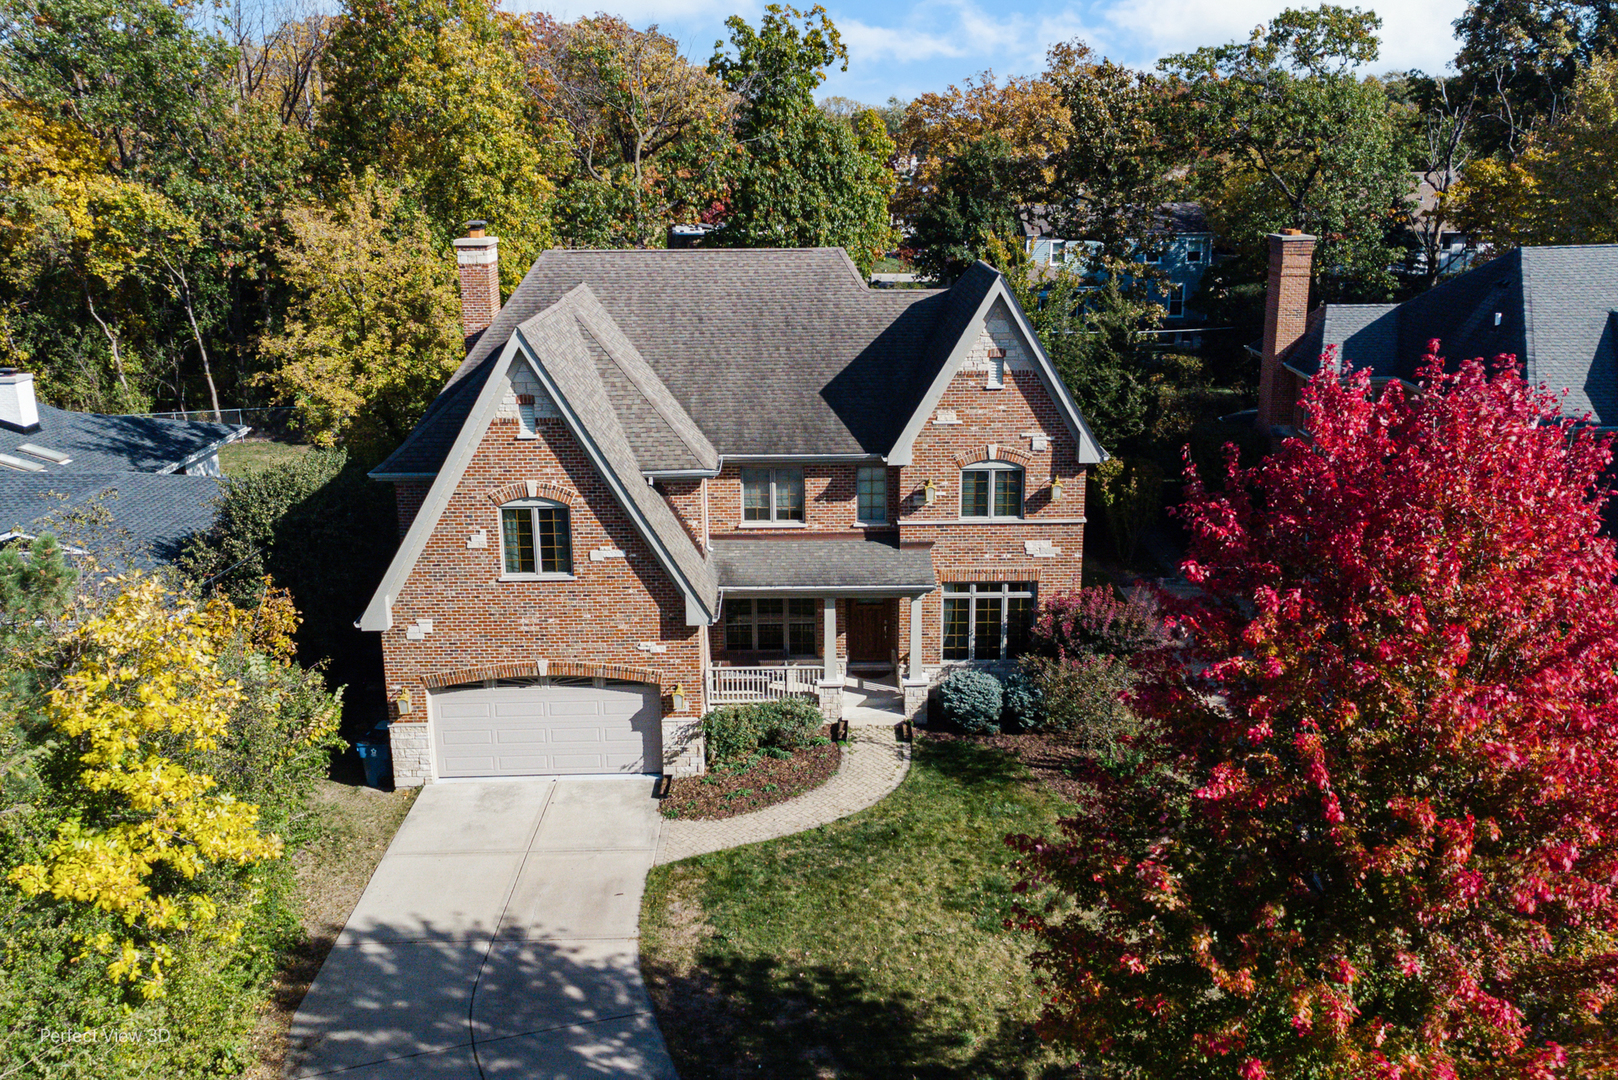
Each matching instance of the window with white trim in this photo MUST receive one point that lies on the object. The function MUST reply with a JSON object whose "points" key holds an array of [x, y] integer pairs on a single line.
{"points": [[536, 538], [772, 494], [1176, 298], [987, 620], [872, 483], [991, 489], [770, 626]]}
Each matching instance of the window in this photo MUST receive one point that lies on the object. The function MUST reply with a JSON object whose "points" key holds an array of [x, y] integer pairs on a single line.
{"points": [[873, 492], [1194, 255], [991, 489], [1176, 301], [770, 626], [536, 538], [987, 620], [772, 494]]}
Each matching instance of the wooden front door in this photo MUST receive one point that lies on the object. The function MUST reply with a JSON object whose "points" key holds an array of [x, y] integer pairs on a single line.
{"points": [[870, 631]]}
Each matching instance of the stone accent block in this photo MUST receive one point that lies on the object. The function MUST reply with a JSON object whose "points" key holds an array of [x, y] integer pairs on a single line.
{"points": [[412, 747], [685, 751], [916, 700]]}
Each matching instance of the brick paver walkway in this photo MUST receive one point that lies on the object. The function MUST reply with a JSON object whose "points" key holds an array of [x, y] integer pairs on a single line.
{"points": [[874, 762]]}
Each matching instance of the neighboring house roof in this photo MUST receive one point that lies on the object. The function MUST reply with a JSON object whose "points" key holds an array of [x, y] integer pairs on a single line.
{"points": [[98, 443], [840, 563], [1556, 315], [150, 514]]}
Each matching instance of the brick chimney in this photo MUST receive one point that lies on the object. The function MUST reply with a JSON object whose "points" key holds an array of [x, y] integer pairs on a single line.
{"points": [[477, 257], [1286, 314], [18, 409]]}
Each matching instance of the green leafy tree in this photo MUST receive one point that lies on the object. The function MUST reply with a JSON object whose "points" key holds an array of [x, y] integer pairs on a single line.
{"points": [[1288, 138], [373, 330], [975, 199], [432, 95], [650, 131], [805, 179]]}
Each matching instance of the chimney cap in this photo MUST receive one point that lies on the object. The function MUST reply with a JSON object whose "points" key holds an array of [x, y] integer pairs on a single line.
{"points": [[476, 226]]}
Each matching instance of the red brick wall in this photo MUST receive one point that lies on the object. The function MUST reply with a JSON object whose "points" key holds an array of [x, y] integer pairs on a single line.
{"points": [[1001, 418], [1286, 317], [600, 618], [685, 496], [831, 502], [407, 498]]}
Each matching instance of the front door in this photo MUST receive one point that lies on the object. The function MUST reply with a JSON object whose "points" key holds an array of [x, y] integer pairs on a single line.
{"points": [[870, 632]]}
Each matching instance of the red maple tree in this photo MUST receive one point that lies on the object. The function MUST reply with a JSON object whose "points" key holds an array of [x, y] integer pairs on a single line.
{"points": [[1381, 838]]}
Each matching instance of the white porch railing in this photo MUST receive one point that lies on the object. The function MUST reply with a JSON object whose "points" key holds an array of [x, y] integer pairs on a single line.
{"points": [[741, 685]]}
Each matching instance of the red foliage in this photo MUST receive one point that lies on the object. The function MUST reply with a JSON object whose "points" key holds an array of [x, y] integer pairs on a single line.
{"points": [[1383, 840]]}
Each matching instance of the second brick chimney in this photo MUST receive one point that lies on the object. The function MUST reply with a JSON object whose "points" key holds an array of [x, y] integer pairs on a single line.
{"points": [[477, 257], [1286, 316]]}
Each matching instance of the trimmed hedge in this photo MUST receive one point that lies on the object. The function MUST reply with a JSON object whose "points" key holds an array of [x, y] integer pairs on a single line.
{"points": [[733, 732]]}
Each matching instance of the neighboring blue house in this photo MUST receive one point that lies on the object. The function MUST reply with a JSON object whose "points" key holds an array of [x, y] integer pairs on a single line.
{"points": [[153, 481], [1181, 246]]}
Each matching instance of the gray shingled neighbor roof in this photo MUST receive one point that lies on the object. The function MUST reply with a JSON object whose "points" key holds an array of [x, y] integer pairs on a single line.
{"points": [[768, 351], [564, 337], [154, 513], [851, 563], [100, 443], [1556, 315]]}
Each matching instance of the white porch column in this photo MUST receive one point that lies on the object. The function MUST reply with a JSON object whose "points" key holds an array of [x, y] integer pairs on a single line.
{"points": [[828, 641], [916, 603]]}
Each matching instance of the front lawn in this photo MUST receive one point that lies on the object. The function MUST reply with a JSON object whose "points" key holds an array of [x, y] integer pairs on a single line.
{"points": [[871, 947]]}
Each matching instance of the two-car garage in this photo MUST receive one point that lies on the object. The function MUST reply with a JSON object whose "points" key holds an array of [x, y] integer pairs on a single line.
{"points": [[547, 727]]}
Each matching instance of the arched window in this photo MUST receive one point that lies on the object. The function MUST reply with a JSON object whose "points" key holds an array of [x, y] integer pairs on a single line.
{"points": [[536, 538], [991, 489]]}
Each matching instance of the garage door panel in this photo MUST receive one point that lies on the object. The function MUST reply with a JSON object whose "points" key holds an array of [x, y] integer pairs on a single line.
{"points": [[545, 730]]}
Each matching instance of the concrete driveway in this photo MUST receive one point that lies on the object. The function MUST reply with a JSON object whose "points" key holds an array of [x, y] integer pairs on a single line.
{"points": [[498, 937]]}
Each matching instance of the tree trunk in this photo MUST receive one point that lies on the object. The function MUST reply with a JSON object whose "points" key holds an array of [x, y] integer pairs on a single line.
{"points": [[112, 339]]}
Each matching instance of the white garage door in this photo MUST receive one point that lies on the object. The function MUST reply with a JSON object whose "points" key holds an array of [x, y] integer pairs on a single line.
{"points": [[540, 730]]}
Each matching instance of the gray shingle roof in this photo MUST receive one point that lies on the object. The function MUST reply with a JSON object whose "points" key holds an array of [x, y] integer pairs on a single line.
{"points": [[768, 351], [154, 512], [1555, 307], [562, 336], [99, 443], [838, 563]]}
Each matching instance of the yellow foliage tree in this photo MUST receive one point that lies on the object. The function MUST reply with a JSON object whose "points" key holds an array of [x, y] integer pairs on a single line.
{"points": [[142, 691], [373, 329]]}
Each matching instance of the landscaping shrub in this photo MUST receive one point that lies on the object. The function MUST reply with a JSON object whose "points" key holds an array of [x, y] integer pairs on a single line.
{"points": [[973, 699], [1023, 703], [733, 732], [1096, 622], [1083, 698], [788, 724]]}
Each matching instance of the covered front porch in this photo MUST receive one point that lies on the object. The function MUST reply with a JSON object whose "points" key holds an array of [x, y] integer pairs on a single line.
{"points": [[820, 619]]}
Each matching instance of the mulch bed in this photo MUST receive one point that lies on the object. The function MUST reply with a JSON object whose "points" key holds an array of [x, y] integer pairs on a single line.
{"points": [[722, 793]]}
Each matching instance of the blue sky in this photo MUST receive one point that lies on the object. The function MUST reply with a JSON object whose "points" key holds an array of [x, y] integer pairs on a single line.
{"points": [[905, 48]]}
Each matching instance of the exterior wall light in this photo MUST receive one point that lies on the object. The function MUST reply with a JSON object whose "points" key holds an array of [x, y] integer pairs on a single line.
{"points": [[678, 697], [1056, 488]]}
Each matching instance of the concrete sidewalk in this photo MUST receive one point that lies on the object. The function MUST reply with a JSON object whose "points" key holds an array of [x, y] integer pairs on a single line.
{"points": [[499, 937]]}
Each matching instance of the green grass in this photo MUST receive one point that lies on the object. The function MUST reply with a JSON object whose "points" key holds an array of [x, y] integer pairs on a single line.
{"points": [[248, 456], [871, 947]]}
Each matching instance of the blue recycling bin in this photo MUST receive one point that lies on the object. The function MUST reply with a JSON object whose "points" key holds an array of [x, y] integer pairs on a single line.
{"points": [[376, 755]]}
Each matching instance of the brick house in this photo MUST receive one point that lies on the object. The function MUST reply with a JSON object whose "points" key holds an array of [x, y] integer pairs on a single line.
{"points": [[666, 480], [1553, 308]]}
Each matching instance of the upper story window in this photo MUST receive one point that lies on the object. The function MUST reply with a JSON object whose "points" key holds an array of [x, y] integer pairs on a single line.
{"points": [[1193, 255], [772, 494], [536, 538], [873, 494], [991, 489]]}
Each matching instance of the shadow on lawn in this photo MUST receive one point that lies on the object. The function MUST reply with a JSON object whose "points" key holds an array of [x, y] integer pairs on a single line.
{"points": [[732, 1017]]}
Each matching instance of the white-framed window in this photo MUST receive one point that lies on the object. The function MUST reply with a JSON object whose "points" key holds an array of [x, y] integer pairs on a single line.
{"points": [[1193, 255], [770, 626], [991, 489], [872, 485], [772, 494], [987, 620], [536, 538], [1176, 298]]}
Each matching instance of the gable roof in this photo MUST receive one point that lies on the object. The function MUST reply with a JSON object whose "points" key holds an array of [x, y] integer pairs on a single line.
{"points": [[99, 443], [1555, 307]]}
